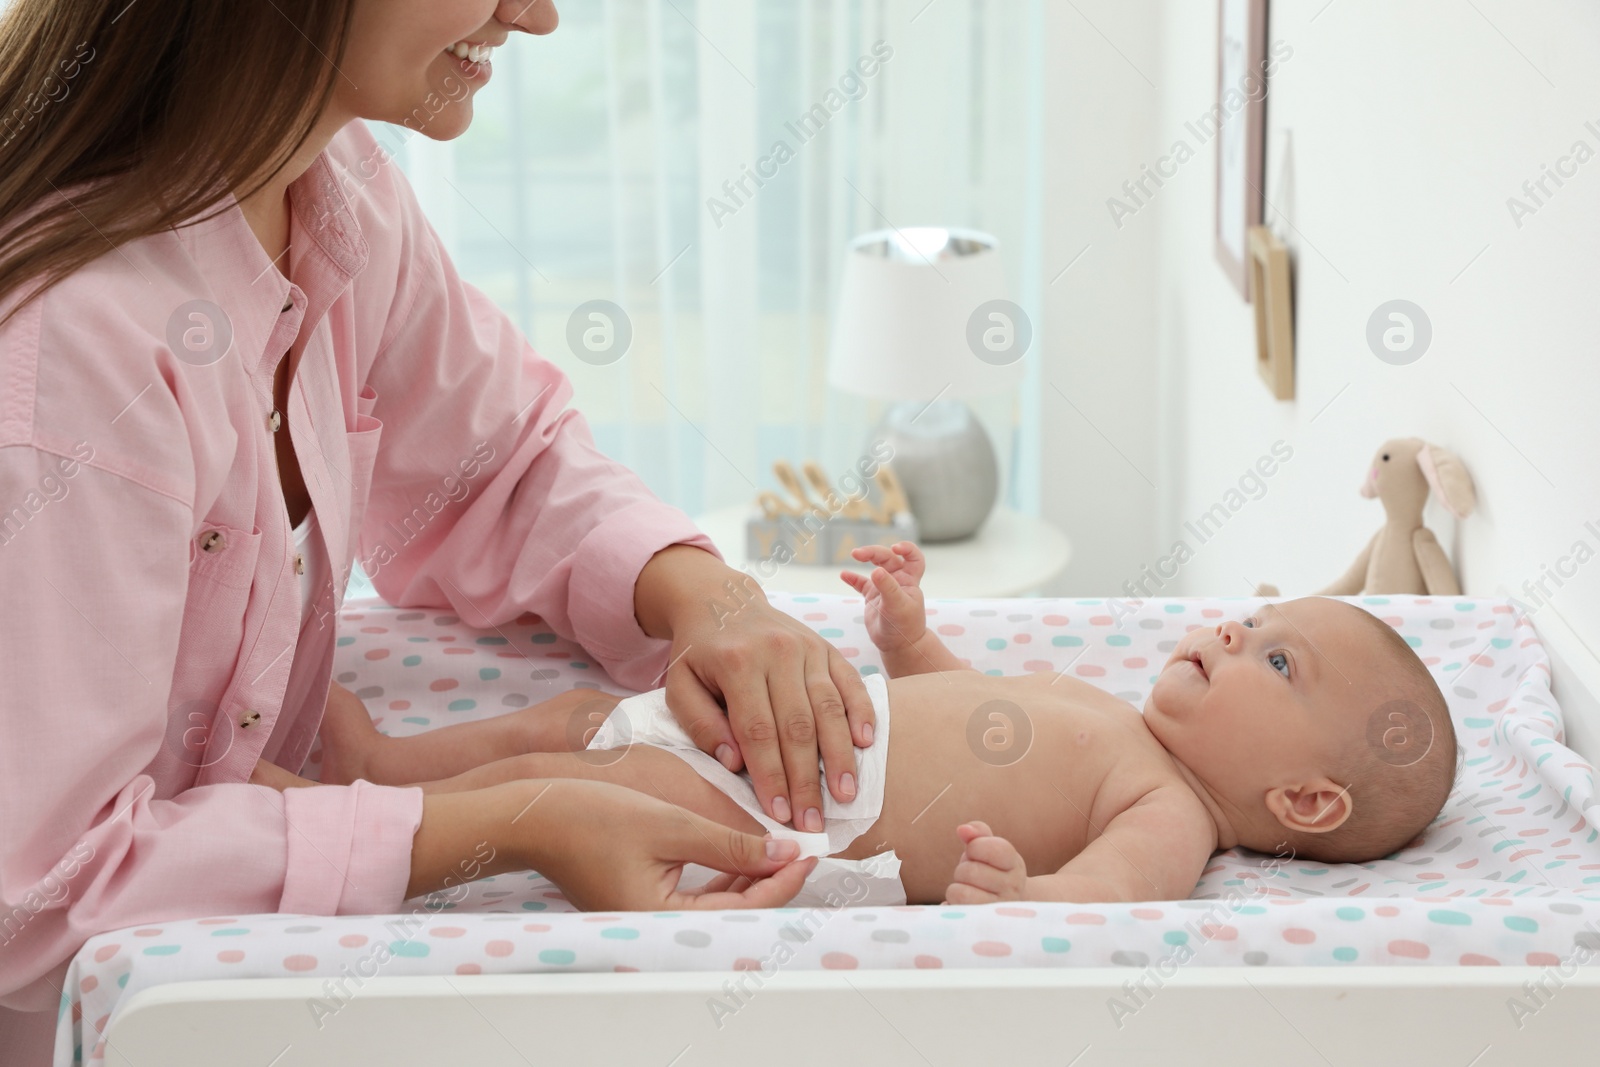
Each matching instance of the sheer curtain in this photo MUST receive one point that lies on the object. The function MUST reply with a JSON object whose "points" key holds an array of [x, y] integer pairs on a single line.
{"points": [[701, 164]]}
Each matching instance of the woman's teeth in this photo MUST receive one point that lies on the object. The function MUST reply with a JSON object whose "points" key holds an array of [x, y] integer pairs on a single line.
{"points": [[476, 53]]}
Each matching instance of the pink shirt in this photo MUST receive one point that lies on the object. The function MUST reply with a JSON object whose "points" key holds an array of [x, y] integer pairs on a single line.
{"points": [[152, 647]]}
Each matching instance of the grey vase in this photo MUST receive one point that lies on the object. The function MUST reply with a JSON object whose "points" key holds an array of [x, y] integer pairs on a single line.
{"points": [[946, 464]]}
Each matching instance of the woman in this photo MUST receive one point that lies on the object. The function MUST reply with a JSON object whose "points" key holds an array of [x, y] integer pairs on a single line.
{"points": [[223, 317]]}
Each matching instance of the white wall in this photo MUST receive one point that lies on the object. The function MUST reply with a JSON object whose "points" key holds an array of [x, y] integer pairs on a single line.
{"points": [[1097, 341], [1396, 134]]}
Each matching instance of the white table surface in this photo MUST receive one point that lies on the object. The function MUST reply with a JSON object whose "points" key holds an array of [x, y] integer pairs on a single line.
{"points": [[1011, 555]]}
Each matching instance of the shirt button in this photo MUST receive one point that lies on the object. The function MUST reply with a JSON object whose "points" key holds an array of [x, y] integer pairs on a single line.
{"points": [[249, 719], [274, 420], [299, 563], [215, 541]]}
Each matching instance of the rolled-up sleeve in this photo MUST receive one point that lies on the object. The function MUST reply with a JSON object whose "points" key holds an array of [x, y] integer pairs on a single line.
{"points": [[489, 496], [95, 587]]}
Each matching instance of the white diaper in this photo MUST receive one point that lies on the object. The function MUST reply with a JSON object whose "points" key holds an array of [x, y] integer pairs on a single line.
{"points": [[645, 720]]}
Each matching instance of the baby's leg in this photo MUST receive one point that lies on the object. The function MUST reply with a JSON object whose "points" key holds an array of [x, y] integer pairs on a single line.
{"points": [[353, 748], [649, 770]]}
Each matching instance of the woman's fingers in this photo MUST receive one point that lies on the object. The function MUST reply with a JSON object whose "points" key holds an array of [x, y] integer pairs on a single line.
{"points": [[701, 717], [833, 727], [756, 733], [799, 724], [858, 707], [773, 891]]}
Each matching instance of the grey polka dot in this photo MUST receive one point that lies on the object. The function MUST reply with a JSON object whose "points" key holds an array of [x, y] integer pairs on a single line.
{"points": [[895, 937], [1124, 958], [345, 676], [692, 938], [1454, 841], [370, 692], [1463, 642], [1442, 624], [789, 933], [445, 620], [410, 616], [301, 929], [1166, 646], [586, 685], [543, 674], [864, 917], [1255, 959], [1150, 624], [515, 700], [982, 613], [740, 917], [1567, 909]]}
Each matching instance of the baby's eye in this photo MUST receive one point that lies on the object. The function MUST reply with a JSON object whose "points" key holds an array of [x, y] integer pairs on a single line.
{"points": [[1250, 621], [1279, 662]]}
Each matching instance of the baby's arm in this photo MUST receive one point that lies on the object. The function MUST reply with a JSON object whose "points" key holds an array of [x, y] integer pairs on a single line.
{"points": [[1155, 850], [894, 613]]}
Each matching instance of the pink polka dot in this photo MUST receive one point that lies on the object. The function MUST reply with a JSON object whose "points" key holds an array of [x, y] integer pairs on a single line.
{"points": [[440, 685], [1543, 959], [353, 940], [621, 969], [399, 705], [217, 922], [1410, 949], [1472, 959], [1145, 913], [1501, 901], [1101, 620], [815, 616], [377, 653], [1219, 932], [468, 968], [1086, 918], [1038, 665], [950, 629], [148, 932], [499, 948], [299, 962], [992, 948], [445, 637], [105, 952], [745, 963], [1136, 662], [601, 918], [77, 1013], [928, 962], [848, 652], [100, 1024], [1055, 620], [1211, 613], [1019, 913], [1297, 936], [374, 629], [839, 961], [463, 652], [536, 928], [1090, 670], [447, 931], [89, 984], [1387, 910]]}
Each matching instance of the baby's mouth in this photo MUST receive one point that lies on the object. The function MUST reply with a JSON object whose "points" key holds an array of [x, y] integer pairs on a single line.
{"points": [[1199, 664]]}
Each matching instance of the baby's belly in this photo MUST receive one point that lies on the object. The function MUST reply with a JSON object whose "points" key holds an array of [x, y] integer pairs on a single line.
{"points": [[1038, 797]]}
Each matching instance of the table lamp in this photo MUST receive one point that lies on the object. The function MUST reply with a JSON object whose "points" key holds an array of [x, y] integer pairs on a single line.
{"points": [[924, 319]]}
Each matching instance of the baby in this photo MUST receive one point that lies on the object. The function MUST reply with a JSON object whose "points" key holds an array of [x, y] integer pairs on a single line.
{"points": [[1310, 725]]}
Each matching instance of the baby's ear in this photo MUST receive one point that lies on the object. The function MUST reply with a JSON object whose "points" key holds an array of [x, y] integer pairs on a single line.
{"points": [[1315, 807]]}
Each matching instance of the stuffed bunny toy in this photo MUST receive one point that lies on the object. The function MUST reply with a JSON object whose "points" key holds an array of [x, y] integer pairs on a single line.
{"points": [[1404, 556]]}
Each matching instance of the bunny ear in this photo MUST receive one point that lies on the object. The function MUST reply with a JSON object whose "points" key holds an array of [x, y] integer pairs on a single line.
{"points": [[1448, 479]]}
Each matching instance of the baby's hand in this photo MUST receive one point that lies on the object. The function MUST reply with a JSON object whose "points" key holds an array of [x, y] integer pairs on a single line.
{"points": [[894, 613], [990, 870]]}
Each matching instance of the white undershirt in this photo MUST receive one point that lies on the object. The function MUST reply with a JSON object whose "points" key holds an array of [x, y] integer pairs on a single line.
{"points": [[305, 544]]}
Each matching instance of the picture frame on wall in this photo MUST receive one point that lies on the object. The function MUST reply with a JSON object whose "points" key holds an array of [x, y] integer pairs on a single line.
{"points": [[1241, 110]]}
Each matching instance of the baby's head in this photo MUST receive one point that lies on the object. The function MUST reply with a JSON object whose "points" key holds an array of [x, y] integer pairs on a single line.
{"points": [[1314, 725]]}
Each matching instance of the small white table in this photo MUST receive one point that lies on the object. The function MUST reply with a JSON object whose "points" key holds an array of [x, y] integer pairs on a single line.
{"points": [[1011, 555]]}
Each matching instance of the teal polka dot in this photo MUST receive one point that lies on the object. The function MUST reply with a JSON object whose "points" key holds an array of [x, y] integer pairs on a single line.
{"points": [[1478, 724], [1066, 641], [414, 949], [1521, 924], [543, 639], [418, 640], [1466, 606], [1252, 909], [161, 950], [343, 641], [869, 669], [1450, 918], [465, 704], [831, 631], [488, 674], [620, 933], [231, 931], [1375, 600], [1119, 640], [1175, 937], [559, 956], [1175, 609], [1350, 914], [411, 661], [578, 665], [1344, 955], [122, 982], [805, 600], [996, 672], [1500, 642], [995, 643], [492, 641], [952, 915], [1055, 944], [1414, 642], [534, 905], [417, 720]]}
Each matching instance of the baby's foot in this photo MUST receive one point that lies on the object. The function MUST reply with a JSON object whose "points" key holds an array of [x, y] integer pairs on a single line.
{"points": [[349, 739]]}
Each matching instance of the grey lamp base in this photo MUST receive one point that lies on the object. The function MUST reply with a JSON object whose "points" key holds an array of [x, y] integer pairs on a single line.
{"points": [[946, 464]]}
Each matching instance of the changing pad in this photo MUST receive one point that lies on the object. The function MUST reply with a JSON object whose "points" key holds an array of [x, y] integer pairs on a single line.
{"points": [[1509, 873]]}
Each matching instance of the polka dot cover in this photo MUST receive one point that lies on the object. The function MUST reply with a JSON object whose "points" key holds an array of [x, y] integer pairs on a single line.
{"points": [[1509, 873]]}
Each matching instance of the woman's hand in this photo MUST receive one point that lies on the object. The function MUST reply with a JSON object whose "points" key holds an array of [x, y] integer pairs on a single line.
{"points": [[787, 691], [607, 847]]}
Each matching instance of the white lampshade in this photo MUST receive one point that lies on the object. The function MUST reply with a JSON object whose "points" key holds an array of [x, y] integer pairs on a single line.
{"points": [[916, 317]]}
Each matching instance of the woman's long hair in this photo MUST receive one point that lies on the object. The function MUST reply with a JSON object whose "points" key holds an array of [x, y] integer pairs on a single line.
{"points": [[121, 118]]}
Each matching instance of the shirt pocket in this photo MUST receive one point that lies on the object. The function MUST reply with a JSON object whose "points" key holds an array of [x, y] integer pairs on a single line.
{"points": [[224, 555], [363, 445]]}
